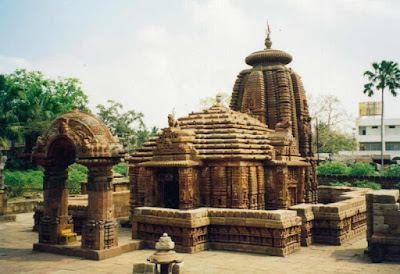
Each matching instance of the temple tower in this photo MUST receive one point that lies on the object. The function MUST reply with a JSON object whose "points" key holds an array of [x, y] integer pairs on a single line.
{"points": [[275, 95]]}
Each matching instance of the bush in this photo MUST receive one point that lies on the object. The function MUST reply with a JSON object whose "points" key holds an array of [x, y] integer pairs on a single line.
{"points": [[397, 186], [121, 169], [18, 181], [76, 174], [393, 170], [362, 169], [367, 184], [340, 184], [332, 168]]}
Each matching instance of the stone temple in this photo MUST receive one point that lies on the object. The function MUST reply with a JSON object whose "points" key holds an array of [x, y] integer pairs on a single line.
{"points": [[256, 154], [239, 178]]}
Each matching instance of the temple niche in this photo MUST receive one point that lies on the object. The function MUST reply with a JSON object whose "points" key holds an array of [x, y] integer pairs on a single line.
{"points": [[257, 154]]}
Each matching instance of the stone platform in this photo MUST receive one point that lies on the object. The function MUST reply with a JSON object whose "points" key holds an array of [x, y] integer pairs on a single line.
{"points": [[7, 218], [126, 244], [269, 232], [16, 256]]}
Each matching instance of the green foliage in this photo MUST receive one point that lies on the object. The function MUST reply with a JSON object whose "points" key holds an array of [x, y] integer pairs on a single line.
{"points": [[384, 75], [332, 168], [393, 170], [362, 169], [128, 126], [76, 174], [121, 169], [397, 186], [367, 184], [29, 102], [340, 184], [18, 181]]}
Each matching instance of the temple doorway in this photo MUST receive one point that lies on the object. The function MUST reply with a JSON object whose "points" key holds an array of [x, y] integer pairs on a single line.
{"points": [[169, 184]]}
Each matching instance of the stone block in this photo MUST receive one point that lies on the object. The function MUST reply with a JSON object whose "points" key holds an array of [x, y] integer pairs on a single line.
{"points": [[144, 268], [384, 196], [177, 268], [392, 220]]}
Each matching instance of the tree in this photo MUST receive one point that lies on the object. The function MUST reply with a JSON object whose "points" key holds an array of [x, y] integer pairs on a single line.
{"points": [[385, 75], [333, 140], [328, 109], [127, 126], [332, 123], [9, 124], [29, 102]]}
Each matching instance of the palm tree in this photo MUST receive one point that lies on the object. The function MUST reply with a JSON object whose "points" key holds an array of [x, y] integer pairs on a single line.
{"points": [[384, 75]]}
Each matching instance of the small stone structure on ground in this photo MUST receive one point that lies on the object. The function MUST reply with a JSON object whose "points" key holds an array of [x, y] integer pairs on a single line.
{"points": [[383, 234], [165, 256], [4, 216]]}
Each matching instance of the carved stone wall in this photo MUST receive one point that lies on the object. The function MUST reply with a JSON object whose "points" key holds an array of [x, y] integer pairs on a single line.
{"points": [[267, 232], [340, 216]]}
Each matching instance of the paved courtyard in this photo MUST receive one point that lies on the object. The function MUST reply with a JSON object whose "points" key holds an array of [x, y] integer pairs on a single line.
{"points": [[16, 256]]}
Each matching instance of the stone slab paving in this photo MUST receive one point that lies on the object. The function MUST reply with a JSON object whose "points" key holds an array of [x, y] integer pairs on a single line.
{"points": [[16, 256]]}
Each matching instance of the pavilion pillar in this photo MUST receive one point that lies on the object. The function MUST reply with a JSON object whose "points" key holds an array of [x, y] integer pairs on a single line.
{"points": [[186, 188], [101, 230], [55, 219], [240, 177]]}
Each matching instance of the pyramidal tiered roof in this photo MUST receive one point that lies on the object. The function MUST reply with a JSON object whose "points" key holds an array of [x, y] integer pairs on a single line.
{"points": [[221, 133]]}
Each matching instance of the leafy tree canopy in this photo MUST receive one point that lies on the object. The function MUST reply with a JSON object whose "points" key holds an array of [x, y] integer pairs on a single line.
{"points": [[127, 126], [29, 102], [331, 140]]}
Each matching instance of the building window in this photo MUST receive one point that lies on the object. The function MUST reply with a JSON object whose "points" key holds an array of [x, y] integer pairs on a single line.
{"points": [[392, 145], [370, 146], [374, 126], [392, 126], [362, 131]]}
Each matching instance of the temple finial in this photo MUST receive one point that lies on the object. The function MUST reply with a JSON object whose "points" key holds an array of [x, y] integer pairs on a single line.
{"points": [[268, 42], [218, 98]]}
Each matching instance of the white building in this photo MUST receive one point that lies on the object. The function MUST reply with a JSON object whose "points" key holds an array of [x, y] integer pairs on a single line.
{"points": [[368, 136]]}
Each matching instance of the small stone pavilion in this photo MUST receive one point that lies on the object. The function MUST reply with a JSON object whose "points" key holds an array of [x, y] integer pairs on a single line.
{"points": [[80, 137], [229, 165]]}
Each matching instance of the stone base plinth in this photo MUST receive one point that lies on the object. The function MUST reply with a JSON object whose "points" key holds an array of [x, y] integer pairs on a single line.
{"points": [[7, 218], [90, 254]]}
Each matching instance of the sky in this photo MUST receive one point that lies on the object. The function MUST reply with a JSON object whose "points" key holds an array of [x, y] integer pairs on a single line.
{"points": [[160, 57]]}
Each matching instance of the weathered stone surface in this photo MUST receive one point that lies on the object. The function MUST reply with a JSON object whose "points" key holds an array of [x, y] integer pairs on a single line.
{"points": [[383, 224], [78, 136], [269, 232]]}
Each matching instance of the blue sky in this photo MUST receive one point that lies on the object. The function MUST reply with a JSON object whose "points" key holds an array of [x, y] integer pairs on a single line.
{"points": [[162, 56]]}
